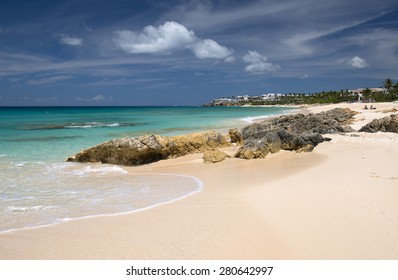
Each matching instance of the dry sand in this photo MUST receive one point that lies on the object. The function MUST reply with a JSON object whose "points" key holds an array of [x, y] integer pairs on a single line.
{"points": [[337, 202]]}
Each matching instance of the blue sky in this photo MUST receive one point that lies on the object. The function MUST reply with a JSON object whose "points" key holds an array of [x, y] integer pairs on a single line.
{"points": [[151, 52]]}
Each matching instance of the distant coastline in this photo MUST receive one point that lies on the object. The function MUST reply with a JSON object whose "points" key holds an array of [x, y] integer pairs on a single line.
{"points": [[387, 93]]}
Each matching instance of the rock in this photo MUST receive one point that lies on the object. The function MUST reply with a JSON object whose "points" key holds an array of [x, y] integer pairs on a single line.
{"points": [[150, 148], [262, 143], [235, 135], [125, 151], [194, 143], [213, 156], [332, 121], [296, 132], [386, 124], [291, 132]]}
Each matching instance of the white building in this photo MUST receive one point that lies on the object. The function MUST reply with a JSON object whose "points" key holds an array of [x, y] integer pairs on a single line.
{"points": [[361, 90]]}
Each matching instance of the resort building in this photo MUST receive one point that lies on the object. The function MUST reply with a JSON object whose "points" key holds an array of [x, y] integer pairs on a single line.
{"points": [[372, 90]]}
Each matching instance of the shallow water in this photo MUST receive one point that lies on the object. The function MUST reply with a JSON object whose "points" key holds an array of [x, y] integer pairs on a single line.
{"points": [[38, 188], [40, 194]]}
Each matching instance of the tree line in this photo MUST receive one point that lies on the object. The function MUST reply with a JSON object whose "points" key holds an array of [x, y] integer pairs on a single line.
{"points": [[389, 94]]}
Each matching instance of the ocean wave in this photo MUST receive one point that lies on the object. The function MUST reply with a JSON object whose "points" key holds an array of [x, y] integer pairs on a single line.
{"points": [[252, 119], [92, 124], [102, 170], [77, 125], [81, 171], [139, 192], [19, 164], [14, 209]]}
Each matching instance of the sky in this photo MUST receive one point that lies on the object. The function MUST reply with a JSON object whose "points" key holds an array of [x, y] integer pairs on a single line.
{"points": [[155, 53]]}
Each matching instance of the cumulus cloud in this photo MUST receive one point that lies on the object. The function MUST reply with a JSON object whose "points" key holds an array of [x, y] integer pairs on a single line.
{"points": [[211, 49], [162, 39], [357, 62], [71, 41], [258, 63], [168, 38]]}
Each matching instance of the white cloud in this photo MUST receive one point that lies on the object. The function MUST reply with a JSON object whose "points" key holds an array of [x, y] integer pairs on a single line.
{"points": [[71, 41], [98, 98], [162, 39], [230, 59], [211, 49], [357, 62], [204, 15], [258, 63], [47, 80], [168, 38]]}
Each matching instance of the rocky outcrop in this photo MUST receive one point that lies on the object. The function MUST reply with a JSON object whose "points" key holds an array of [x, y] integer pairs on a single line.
{"points": [[213, 156], [150, 148], [260, 144], [386, 124], [235, 136], [332, 121], [297, 132]]}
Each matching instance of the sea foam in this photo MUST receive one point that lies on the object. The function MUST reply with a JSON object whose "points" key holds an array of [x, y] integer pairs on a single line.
{"points": [[92, 124], [42, 194]]}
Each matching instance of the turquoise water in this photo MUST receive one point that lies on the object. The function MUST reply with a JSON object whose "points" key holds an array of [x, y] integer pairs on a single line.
{"points": [[38, 188]]}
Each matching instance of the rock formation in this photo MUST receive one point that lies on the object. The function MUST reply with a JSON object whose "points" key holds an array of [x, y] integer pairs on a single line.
{"points": [[150, 148], [386, 124], [291, 132], [260, 144], [235, 136], [332, 121], [213, 156], [297, 132]]}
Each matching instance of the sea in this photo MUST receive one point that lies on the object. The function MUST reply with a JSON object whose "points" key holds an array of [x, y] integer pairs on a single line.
{"points": [[38, 188]]}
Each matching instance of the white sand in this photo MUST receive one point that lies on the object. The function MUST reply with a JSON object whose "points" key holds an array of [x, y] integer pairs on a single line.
{"points": [[337, 202]]}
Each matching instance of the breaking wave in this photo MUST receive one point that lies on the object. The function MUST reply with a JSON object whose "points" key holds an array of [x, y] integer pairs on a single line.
{"points": [[77, 125]]}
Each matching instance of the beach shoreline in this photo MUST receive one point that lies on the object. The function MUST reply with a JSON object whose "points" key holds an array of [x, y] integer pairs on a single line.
{"points": [[337, 202]]}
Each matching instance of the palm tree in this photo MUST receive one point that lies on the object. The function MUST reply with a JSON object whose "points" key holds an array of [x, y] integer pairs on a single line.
{"points": [[367, 93], [388, 84]]}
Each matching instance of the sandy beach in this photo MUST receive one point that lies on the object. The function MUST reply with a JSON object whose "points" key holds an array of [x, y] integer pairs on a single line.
{"points": [[337, 202]]}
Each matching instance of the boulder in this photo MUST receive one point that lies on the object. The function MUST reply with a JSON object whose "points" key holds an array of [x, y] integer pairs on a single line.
{"points": [[213, 156], [386, 124], [332, 121], [296, 132], [235, 136], [125, 151], [150, 148], [262, 143]]}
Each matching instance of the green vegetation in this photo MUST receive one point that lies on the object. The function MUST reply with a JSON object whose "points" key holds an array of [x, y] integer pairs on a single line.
{"points": [[388, 94]]}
